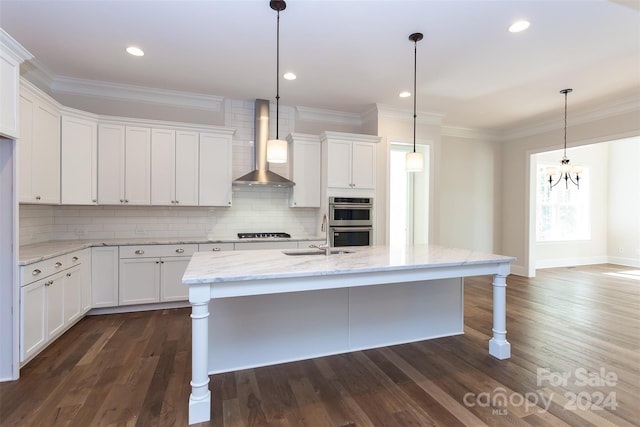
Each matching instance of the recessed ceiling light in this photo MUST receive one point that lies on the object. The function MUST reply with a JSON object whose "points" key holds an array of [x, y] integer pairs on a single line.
{"points": [[135, 51], [518, 26], [405, 94], [289, 76]]}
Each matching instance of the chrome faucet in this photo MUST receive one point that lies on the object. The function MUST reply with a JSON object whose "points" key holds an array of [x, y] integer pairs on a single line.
{"points": [[326, 247]]}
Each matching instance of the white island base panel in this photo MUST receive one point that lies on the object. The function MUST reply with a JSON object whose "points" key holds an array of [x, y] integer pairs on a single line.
{"points": [[252, 331]]}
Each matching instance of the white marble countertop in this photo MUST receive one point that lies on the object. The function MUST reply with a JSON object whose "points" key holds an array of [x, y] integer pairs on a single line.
{"points": [[35, 252], [213, 267]]}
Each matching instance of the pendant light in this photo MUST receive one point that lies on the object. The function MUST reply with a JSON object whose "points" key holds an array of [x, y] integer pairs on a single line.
{"points": [[277, 148], [415, 161], [566, 170]]}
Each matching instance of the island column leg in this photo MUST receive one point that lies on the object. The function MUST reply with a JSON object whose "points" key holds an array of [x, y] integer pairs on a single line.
{"points": [[200, 398], [499, 347]]}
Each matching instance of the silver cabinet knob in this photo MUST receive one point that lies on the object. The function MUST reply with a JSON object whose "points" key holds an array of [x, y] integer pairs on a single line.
{"points": [[74, 259], [95, 201], [37, 197], [126, 201], [121, 200], [35, 272], [180, 250], [139, 252], [216, 249], [68, 274], [58, 264]]}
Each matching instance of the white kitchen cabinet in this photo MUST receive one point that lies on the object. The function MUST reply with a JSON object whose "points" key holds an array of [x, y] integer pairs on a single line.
{"points": [[50, 301], [38, 147], [12, 54], [104, 276], [79, 173], [174, 167], [124, 164], [351, 160], [215, 179], [305, 170], [153, 273], [85, 258]]}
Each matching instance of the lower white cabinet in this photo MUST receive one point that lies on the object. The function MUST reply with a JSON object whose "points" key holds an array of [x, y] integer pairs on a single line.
{"points": [[50, 300], [104, 276], [153, 273]]}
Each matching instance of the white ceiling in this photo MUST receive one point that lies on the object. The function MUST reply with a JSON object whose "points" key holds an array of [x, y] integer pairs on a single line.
{"points": [[349, 55]]}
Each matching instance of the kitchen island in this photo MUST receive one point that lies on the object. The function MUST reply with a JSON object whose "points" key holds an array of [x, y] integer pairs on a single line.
{"points": [[256, 308]]}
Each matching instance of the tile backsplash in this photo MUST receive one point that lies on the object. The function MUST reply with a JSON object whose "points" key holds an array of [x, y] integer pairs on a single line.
{"points": [[254, 209]]}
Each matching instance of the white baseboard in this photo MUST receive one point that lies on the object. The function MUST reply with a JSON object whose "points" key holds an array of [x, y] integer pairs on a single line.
{"points": [[140, 307], [627, 262], [570, 262]]}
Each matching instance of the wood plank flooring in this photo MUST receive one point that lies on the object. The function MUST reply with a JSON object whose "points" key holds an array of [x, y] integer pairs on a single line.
{"points": [[581, 323]]}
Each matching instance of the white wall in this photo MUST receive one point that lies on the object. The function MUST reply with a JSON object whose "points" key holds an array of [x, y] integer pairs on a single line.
{"points": [[623, 239], [469, 194]]}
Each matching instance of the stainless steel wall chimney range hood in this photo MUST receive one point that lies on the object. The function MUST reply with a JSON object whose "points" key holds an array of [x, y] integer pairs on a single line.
{"points": [[261, 175]]}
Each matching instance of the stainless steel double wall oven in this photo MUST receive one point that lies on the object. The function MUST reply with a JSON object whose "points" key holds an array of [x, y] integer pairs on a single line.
{"points": [[351, 221]]}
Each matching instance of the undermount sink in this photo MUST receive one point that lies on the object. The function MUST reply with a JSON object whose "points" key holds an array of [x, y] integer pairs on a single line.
{"points": [[316, 252]]}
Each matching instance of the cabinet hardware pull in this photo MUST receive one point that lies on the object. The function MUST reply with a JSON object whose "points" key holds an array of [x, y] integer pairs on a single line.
{"points": [[177, 202], [35, 272], [68, 274], [180, 250], [157, 262], [161, 262], [95, 201], [216, 249], [37, 197], [139, 252], [74, 259], [49, 283], [58, 264], [126, 201]]}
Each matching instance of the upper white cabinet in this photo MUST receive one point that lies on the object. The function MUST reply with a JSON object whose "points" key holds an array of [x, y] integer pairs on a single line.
{"points": [[305, 170], [174, 167], [12, 54], [215, 169], [79, 179], [124, 164], [38, 147], [350, 160]]}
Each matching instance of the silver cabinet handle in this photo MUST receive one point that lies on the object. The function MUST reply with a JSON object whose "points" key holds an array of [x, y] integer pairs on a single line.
{"points": [[139, 252], [180, 250], [68, 274], [35, 272], [74, 259], [121, 200], [126, 201], [49, 283], [37, 197], [58, 264], [216, 249], [95, 201]]}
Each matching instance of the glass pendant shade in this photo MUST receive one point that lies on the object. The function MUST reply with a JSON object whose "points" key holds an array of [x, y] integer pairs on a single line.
{"points": [[414, 162], [276, 151]]}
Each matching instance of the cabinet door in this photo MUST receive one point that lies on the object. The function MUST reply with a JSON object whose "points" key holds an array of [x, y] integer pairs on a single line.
{"points": [[104, 276], [171, 272], [339, 164], [85, 272], [163, 171], [33, 333], [54, 297], [25, 149], [110, 164], [139, 281], [137, 171], [9, 87], [79, 161], [187, 152], [215, 170], [72, 295], [305, 172], [364, 165], [45, 162]]}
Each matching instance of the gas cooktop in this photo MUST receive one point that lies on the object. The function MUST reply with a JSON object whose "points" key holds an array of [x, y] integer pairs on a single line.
{"points": [[263, 235]]}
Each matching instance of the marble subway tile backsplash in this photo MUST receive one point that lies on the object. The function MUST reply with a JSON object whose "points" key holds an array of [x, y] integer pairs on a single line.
{"points": [[253, 209]]}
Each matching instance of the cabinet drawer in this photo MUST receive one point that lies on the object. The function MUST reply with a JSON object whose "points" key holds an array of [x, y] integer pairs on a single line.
{"points": [[155, 251], [42, 269], [77, 258], [215, 247]]}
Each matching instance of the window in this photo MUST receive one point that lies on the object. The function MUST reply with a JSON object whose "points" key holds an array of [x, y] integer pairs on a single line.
{"points": [[562, 214]]}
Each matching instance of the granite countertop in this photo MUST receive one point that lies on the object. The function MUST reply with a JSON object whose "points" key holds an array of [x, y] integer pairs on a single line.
{"points": [[213, 267], [35, 252]]}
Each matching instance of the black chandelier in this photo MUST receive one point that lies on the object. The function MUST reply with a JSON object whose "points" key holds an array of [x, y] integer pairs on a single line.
{"points": [[567, 172]]}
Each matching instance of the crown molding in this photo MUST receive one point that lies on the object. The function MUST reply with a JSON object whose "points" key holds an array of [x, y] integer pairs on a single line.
{"points": [[131, 93], [629, 105], [11, 47], [426, 118], [471, 133], [310, 114], [344, 136]]}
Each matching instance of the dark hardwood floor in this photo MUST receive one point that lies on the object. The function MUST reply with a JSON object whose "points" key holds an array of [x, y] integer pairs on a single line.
{"points": [[574, 332]]}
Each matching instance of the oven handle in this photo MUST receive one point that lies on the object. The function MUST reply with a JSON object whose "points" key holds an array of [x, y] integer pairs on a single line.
{"points": [[339, 229], [350, 206]]}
